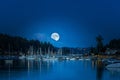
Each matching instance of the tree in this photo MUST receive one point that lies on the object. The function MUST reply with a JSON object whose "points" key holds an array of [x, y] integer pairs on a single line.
{"points": [[99, 43], [114, 44], [19, 44]]}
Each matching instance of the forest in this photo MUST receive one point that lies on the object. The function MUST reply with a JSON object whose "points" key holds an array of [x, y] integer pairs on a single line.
{"points": [[16, 44]]}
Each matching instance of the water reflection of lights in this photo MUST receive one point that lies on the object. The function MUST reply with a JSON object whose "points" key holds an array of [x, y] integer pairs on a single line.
{"points": [[93, 64], [9, 72], [28, 68]]}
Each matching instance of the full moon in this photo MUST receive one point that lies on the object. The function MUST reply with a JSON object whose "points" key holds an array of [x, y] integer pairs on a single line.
{"points": [[55, 36]]}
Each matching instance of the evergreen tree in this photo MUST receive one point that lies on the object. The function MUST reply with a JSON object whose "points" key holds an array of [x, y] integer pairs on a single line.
{"points": [[99, 40]]}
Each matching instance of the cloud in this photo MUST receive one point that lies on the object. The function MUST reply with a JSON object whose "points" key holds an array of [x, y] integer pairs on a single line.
{"points": [[40, 36]]}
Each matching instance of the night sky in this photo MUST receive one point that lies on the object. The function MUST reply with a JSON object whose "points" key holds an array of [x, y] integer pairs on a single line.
{"points": [[77, 21]]}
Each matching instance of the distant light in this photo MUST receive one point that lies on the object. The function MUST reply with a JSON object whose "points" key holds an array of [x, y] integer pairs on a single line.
{"points": [[55, 36]]}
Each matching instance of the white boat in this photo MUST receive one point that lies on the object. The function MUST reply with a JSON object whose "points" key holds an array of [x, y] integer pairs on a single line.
{"points": [[114, 65], [113, 61], [87, 59], [22, 57], [72, 59], [67, 58], [110, 61], [8, 61], [81, 59], [50, 59], [30, 57], [114, 69]]}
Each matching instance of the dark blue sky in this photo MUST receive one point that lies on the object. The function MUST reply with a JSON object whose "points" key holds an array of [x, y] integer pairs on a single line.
{"points": [[77, 21]]}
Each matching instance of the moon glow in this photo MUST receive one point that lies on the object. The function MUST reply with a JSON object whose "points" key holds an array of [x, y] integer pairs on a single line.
{"points": [[55, 36]]}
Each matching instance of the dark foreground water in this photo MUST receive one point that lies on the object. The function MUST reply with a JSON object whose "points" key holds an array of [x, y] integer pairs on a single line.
{"points": [[56, 70]]}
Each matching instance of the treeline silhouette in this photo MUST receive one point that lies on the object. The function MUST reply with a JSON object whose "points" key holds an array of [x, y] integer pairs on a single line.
{"points": [[100, 48], [16, 44], [114, 44]]}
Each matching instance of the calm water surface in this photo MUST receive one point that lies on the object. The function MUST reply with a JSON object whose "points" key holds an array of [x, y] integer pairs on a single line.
{"points": [[56, 70]]}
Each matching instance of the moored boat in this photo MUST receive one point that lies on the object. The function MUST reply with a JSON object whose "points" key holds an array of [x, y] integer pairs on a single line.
{"points": [[114, 65]]}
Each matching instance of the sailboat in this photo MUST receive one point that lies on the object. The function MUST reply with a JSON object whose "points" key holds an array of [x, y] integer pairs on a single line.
{"points": [[72, 58], [39, 54], [60, 54], [30, 55], [114, 67], [50, 56], [22, 56], [47, 56], [53, 57], [9, 60]]}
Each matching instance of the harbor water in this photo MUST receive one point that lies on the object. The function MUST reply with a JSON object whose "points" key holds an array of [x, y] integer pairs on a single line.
{"points": [[56, 70]]}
